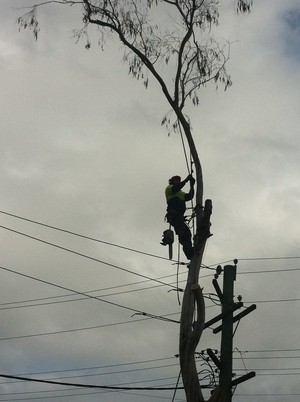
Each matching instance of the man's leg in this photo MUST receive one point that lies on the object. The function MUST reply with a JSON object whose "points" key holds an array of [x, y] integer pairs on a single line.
{"points": [[184, 236]]}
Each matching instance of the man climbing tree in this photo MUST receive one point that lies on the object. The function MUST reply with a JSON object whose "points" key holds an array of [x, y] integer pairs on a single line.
{"points": [[172, 41], [176, 208]]}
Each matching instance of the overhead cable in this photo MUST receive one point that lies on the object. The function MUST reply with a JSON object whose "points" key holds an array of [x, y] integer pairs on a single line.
{"points": [[106, 366], [90, 296], [135, 250], [86, 385], [84, 255], [83, 236]]}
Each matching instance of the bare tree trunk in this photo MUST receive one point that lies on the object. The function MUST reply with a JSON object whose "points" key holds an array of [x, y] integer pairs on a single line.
{"points": [[193, 306]]}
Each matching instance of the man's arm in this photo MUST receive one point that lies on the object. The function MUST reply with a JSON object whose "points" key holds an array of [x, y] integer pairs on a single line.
{"points": [[179, 186], [191, 193]]}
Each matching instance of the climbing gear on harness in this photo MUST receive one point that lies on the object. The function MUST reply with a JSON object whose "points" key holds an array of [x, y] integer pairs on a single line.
{"points": [[168, 240], [168, 237]]}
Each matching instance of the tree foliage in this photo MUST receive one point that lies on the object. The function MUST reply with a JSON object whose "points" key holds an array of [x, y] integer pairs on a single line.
{"points": [[183, 40]]}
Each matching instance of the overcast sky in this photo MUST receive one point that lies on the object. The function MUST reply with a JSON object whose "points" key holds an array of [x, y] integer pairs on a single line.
{"points": [[82, 149]]}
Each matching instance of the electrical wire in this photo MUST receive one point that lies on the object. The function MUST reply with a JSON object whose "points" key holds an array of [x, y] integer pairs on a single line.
{"points": [[89, 291], [90, 393], [135, 250], [270, 369], [75, 329], [92, 327], [57, 390], [10, 305], [256, 259], [142, 252], [87, 385], [272, 350], [269, 258], [83, 255], [110, 374], [103, 367], [270, 271], [22, 304], [88, 295], [267, 357], [139, 362], [83, 236], [267, 395], [274, 301]]}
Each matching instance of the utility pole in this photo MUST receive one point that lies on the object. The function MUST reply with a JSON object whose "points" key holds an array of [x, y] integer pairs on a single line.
{"points": [[224, 365], [227, 331]]}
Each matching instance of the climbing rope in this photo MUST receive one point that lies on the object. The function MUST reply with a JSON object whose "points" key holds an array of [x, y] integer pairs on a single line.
{"points": [[177, 274], [176, 387], [189, 165]]}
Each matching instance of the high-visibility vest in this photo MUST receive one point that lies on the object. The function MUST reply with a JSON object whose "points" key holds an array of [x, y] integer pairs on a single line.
{"points": [[169, 194], [175, 201]]}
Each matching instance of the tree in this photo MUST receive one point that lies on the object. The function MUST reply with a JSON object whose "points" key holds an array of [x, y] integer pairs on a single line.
{"points": [[194, 58]]}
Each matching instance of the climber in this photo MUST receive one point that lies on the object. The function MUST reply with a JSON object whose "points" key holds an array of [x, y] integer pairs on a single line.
{"points": [[176, 199]]}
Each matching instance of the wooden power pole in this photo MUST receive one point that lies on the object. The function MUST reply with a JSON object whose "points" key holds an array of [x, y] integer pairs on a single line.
{"points": [[227, 331], [226, 297]]}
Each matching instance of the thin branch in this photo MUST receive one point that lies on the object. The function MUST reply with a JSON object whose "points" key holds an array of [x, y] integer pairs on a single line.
{"points": [[63, 2], [189, 25]]}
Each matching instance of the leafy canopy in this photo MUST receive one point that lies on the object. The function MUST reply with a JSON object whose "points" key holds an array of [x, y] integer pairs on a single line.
{"points": [[171, 39]]}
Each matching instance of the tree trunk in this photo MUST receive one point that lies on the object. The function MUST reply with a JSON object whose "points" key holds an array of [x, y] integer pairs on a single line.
{"points": [[193, 306], [191, 328]]}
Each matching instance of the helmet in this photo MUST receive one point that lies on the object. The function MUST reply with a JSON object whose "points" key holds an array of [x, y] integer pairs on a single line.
{"points": [[174, 178]]}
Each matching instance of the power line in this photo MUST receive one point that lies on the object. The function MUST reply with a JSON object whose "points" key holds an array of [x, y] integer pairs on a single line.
{"points": [[270, 350], [24, 303], [55, 390], [266, 358], [132, 249], [12, 305], [271, 271], [139, 362], [114, 372], [274, 301], [163, 318], [89, 296], [267, 395], [269, 258], [90, 393], [83, 236], [270, 369], [102, 367], [100, 290], [256, 259], [86, 385], [84, 255], [264, 271], [71, 330], [277, 374], [16, 304]]}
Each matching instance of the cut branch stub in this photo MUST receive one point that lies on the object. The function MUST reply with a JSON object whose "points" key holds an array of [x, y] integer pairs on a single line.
{"points": [[203, 228]]}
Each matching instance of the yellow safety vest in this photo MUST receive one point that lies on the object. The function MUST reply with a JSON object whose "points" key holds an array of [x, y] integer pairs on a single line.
{"points": [[169, 194]]}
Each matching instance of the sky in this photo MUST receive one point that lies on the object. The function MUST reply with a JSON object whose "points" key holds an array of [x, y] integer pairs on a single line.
{"points": [[84, 164]]}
